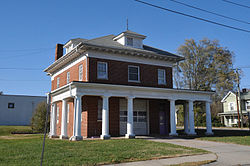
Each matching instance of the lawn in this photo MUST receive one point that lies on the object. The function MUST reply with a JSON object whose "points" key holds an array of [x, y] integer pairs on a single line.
{"points": [[241, 137], [26, 150]]}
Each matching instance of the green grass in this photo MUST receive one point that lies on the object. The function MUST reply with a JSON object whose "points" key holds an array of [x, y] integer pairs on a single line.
{"points": [[241, 137], [26, 150], [6, 130], [242, 140]]}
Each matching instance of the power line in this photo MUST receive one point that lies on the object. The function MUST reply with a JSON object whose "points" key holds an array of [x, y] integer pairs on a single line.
{"points": [[204, 10], [32, 49], [237, 4], [198, 18], [12, 68]]}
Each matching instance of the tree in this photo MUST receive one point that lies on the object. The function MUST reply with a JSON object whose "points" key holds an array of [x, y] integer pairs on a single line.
{"points": [[39, 118], [207, 66]]}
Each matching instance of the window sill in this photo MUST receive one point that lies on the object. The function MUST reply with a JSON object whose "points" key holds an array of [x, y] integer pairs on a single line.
{"points": [[102, 78], [99, 120], [134, 81]]}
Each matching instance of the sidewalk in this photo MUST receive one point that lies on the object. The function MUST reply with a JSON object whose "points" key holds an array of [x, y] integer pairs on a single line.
{"points": [[172, 161]]}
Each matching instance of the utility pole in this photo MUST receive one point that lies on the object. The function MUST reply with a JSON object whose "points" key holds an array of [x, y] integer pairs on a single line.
{"points": [[239, 98]]}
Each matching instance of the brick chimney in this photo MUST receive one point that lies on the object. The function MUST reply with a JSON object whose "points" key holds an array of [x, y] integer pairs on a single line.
{"points": [[59, 51]]}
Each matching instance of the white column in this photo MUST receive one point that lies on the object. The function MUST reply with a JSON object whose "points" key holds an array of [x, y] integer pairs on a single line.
{"points": [[53, 121], [191, 117], [130, 118], [208, 119], [64, 134], [172, 118], [77, 119], [186, 128], [105, 117]]}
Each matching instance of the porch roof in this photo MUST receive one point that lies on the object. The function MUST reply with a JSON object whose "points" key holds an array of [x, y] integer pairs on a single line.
{"points": [[98, 89]]}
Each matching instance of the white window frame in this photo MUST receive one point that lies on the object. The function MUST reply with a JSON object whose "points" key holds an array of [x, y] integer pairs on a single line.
{"points": [[58, 82], [80, 71], [229, 105], [68, 77], [138, 74], [161, 79], [131, 43], [106, 75]]}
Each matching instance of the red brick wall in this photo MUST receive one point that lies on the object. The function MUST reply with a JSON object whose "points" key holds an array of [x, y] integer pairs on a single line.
{"points": [[118, 73], [73, 75], [90, 125], [71, 118]]}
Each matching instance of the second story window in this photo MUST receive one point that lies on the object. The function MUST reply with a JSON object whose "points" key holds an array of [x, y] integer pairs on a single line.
{"points": [[248, 105], [80, 72], [231, 106], [58, 82], [68, 77], [130, 41], [161, 77], [133, 74], [102, 70]]}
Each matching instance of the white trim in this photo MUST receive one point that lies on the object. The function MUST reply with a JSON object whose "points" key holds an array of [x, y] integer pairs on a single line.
{"points": [[138, 73], [69, 65], [106, 66], [126, 58], [224, 99]]}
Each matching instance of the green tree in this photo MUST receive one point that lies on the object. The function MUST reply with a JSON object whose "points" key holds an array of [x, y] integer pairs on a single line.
{"points": [[39, 117], [207, 66]]}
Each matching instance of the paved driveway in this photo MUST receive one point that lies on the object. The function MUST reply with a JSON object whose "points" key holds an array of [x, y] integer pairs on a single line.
{"points": [[228, 154]]}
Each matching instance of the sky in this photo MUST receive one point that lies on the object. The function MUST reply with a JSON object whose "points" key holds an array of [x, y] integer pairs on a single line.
{"points": [[30, 30]]}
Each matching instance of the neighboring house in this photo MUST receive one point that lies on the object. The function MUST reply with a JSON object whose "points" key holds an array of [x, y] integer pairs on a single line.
{"points": [[230, 115], [17, 109], [116, 85]]}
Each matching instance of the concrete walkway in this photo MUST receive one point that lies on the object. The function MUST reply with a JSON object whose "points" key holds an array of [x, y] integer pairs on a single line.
{"points": [[228, 154], [171, 161]]}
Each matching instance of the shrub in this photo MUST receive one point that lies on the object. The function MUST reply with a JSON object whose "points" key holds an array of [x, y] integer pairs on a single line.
{"points": [[39, 118]]}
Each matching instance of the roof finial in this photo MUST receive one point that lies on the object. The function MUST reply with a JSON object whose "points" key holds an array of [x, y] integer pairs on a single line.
{"points": [[127, 24]]}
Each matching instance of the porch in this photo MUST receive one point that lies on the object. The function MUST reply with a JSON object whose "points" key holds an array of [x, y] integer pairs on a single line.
{"points": [[127, 117]]}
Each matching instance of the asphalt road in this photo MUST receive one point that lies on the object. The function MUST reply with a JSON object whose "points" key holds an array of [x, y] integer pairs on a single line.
{"points": [[228, 154]]}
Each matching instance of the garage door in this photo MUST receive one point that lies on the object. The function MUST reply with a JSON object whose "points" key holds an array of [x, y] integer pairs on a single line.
{"points": [[140, 117]]}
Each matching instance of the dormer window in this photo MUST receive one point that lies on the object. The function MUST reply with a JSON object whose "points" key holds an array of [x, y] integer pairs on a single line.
{"points": [[130, 41]]}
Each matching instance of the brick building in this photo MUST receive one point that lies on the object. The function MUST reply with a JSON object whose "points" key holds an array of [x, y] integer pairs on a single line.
{"points": [[116, 85]]}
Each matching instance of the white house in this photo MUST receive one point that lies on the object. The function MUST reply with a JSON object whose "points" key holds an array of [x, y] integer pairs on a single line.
{"points": [[17, 109]]}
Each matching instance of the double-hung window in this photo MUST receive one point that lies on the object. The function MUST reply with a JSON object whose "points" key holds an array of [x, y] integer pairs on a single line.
{"points": [[133, 74], [58, 82], [231, 106], [248, 105], [102, 70], [130, 41], [68, 77], [161, 77], [80, 72]]}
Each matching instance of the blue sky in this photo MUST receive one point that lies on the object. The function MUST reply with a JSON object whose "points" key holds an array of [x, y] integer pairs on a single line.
{"points": [[29, 31]]}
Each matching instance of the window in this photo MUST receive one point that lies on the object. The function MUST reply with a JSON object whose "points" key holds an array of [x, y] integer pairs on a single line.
{"points": [[161, 77], [11, 105], [231, 106], [130, 41], [58, 82], [102, 70], [57, 115], [99, 113], [133, 74], [248, 105], [138, 116], [68, 113], [68, 77], [80, 72]]}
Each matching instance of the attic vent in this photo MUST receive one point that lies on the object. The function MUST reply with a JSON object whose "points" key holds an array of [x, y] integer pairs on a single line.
{"points": [[130, 41]]}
